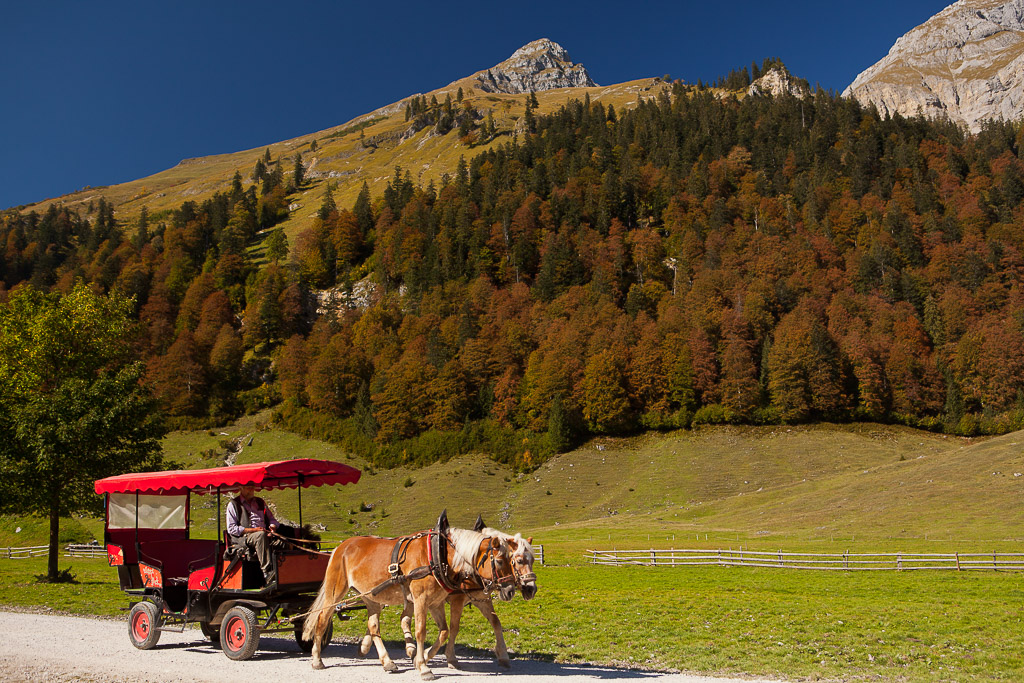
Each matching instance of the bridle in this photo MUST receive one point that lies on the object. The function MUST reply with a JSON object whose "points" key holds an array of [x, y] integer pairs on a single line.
{"points": [[497, 580], [525, 577]]}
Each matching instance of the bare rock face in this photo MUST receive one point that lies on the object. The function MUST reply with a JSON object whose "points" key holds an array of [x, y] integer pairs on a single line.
{"points": [[777, 82], [965, 64], [540, 65]]}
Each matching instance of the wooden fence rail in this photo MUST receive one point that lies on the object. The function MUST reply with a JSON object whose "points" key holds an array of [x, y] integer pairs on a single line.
{"points": [[85, 550], [72, 550], [23, 553], [782, 560]]}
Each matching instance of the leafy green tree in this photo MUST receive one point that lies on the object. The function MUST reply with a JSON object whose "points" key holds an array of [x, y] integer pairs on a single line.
{"points": [[277, 246], [72, 406]]}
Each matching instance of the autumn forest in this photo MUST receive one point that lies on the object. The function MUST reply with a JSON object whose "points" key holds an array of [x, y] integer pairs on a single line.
{"points": [[700, 259]]}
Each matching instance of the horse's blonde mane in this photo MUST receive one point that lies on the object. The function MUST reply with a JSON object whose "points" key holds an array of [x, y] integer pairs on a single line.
{"points": [[523, 546], [467, 544]]}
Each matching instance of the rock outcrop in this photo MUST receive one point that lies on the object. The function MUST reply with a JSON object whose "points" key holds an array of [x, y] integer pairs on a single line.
{"points": [[965, 64], [778, 81], [540, 65]]}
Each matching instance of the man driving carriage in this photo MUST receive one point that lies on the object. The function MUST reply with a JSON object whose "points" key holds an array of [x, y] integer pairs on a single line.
{"points": [[250, 523]]}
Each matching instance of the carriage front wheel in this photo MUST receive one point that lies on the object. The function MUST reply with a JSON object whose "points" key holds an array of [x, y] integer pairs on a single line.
{"points": [[143, 625], [307, 645], [239, 633]]}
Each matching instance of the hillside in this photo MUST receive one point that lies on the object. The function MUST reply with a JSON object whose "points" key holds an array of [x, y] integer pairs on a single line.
{"points": [[763, 486], [367, 148]]}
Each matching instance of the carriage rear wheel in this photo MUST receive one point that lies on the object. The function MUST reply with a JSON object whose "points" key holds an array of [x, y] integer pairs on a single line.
{"points": [[307, 645], [210, 631], [143, 625], [239, 633]]}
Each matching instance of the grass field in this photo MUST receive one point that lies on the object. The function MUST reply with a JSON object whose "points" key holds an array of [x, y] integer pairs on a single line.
{"points": [[862, 488], [787, 624]]}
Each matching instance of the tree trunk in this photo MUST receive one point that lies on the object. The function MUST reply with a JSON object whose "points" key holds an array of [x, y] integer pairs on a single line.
{"points": [[51, 568]]}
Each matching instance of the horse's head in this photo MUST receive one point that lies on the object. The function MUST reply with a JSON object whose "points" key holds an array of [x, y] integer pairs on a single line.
{"points": [[521, 553], [503, 575]]}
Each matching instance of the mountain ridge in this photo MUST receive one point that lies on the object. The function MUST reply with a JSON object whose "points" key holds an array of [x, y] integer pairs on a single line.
{"points": [[367, 147], [964, 64]]}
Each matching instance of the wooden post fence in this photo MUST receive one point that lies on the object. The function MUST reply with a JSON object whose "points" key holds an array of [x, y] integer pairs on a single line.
{"points": [[845, 561]]}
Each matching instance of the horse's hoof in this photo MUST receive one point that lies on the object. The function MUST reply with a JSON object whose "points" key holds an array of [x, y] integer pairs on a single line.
{"points": [[428, 675], [318, 665], [454, 665], [505, 663], [390, 667], [410, 651]]}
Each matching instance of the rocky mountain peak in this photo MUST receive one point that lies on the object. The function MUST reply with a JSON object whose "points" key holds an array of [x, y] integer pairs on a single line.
{"points": [[777, 81], [965, 64], [540, 65]]}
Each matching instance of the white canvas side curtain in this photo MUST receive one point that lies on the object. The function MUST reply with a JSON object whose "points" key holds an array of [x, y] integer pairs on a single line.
{"points": [[155, 512]]}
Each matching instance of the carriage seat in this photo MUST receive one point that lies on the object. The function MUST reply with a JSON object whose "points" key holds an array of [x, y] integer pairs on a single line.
{"points": [[180, 557]]}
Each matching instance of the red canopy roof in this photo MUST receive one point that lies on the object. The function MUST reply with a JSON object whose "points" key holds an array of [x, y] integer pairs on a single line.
{"points": [[285, 474]]}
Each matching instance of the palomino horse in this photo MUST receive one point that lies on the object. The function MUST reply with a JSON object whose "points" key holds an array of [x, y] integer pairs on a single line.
{"points": [[521, 553], [366, 564]]}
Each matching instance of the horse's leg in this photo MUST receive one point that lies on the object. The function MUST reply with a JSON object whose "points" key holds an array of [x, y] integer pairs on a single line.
{"points": [[410, 642], [420, 616], [486, 608], [437, 611], [458, 603], [334, 587], [373, 626], [366, 643]]}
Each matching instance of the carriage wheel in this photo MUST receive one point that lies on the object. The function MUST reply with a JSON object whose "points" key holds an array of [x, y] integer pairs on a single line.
{"points": [[239, 633], [307, 645], [143, 625], [210, 631]]}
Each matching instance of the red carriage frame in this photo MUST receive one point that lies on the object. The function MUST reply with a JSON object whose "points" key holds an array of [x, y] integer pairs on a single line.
{"points": [[176, 580]]}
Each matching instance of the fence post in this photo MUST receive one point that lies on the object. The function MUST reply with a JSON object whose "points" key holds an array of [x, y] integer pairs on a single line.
{"points": [[958, 562], [780, 557], [654, 558], [899, 562]]}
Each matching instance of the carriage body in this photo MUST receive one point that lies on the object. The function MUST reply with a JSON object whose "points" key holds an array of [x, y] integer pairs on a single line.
{"points": [[173, 580]]}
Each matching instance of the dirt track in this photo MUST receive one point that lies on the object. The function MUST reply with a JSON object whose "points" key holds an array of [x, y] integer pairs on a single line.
{"points": [[37, 648]]}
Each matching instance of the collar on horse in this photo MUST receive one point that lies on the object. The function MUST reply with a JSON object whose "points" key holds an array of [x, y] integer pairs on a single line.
{"points": [[438, 565]]}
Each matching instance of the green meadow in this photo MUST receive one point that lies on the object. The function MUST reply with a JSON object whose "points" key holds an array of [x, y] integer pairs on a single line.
{"points": [[828, 488]]}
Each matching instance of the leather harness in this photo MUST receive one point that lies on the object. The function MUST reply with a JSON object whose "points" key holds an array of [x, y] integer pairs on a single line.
{"points": [[437, 564]]}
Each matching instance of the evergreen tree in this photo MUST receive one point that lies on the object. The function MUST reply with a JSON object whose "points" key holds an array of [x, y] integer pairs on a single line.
{"points": [[298, 174]]}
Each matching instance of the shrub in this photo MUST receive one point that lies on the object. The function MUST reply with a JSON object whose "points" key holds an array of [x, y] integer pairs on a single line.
{"points": [[715, 414]]}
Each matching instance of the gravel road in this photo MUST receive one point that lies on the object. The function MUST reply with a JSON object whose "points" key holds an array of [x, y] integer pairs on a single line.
{"points": [[45, 648]]}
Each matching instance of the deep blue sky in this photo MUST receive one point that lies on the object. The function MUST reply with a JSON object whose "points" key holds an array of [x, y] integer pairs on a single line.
{"points": [[97, 93]]}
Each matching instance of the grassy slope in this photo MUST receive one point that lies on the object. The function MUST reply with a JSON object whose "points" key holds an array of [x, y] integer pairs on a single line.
{"points": [[802, 487], [425, 155]]}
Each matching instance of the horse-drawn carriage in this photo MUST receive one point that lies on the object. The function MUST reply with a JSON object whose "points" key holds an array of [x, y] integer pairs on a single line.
{"points": [[174, 580]]}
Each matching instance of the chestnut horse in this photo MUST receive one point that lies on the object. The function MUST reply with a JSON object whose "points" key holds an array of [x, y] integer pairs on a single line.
{"points": [[363, 562], [521, 553]]}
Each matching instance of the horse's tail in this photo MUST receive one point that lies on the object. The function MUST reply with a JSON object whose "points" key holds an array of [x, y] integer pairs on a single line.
{"points": [[322, 610]]}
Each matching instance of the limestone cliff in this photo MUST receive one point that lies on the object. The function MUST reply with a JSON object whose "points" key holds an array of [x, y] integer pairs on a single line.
{"points": [[540, 65], [778, 81], [965, 64]]}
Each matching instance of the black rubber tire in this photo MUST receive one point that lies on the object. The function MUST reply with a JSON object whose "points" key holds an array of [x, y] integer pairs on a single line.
{"points": [[144, 625], [240, 633], [210, 631], [307, 645]]}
